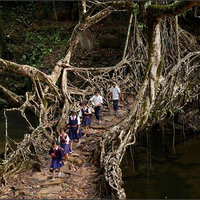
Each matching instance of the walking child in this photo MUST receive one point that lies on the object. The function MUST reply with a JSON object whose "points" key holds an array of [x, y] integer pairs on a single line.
{"points": [[56, 162], [85, 113], [64, 143], [73, 123], [115, 95], [98, 100]]}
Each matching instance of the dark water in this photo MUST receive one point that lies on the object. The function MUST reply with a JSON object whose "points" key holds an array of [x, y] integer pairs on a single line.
{"points": [[16, 127], [161, 170]]}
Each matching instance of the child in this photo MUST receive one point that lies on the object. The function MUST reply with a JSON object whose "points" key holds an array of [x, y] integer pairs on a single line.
{"points": [[115, 95], [64, 143], [85, 112], [56, 163], [97, 99], [73, 123]]}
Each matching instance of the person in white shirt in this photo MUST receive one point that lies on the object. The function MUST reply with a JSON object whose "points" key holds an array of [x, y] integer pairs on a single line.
{"points": [[115, 95], [97, 100], [64, 143], [73, 123]]}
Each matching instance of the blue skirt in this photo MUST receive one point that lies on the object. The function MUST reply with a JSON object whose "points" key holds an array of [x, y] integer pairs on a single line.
{"points": [[73, 135], [55, 164], [86, 122], [66, 148]]}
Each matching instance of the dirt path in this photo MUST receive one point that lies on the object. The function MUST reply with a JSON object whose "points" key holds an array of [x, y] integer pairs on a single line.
{"points": [[79, 178]]}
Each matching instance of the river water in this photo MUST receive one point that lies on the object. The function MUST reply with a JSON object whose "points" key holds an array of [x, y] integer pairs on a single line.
{"points": [[16, 128], [162, 170]]}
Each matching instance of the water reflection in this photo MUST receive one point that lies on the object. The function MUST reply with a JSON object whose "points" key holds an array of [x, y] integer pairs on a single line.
{"points": [[160, 172], [17, 127]]}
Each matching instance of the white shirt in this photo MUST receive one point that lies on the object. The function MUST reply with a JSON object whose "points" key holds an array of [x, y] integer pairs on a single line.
{"points": [[66, 138], [84, 109], [115, 92], [97, 99], [78, 119]]}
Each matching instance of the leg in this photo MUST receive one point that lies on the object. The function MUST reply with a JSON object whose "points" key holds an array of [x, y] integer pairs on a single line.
{"points": [[59, 173], [79, 142], [98, 114], [66, 157], [115, 103], [86, 131], [71, 144], [54, 173]]}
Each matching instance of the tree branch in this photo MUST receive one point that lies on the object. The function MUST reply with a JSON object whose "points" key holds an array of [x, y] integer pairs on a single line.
{"points": [[161, 11], [9, 96]]}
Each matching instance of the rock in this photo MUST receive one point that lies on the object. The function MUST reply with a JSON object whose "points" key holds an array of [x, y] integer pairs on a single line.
{"points": [[86, 40], [75, 155], [85, 172], [51, 196], [108, 118], [51, 190], [70, 158], [96, 126], [78, 162], [37, 175], [66, 170], [49, 182], [27, 197]]}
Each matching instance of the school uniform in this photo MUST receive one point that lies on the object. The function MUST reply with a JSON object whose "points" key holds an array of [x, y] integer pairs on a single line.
{"points": [[97, 99], [56, 158], [86, 117], [65, 144], [73, 122], [115, 96]]}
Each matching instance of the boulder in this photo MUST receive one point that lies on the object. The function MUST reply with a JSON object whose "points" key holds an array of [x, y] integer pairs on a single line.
{"points": [[49, 182], [51, 190], [78, 162]]}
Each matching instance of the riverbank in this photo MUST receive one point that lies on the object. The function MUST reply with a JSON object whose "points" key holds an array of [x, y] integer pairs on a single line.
{"points": [[80, 177]]}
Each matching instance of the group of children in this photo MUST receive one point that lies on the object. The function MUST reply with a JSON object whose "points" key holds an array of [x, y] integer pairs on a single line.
{"points": [[73, 126]]}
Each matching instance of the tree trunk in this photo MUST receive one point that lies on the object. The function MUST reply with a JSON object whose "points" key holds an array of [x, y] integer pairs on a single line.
{"points": [[114, 143]]}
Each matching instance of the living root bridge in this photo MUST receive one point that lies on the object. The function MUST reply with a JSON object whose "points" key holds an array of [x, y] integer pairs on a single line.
{"points": [[158, 82]]}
